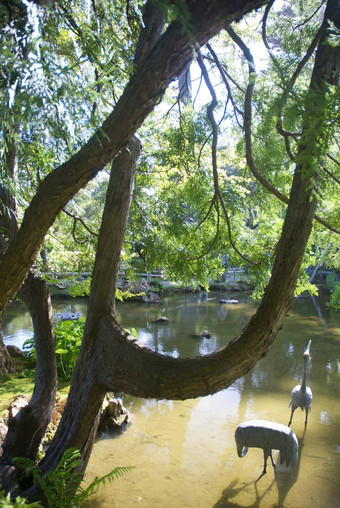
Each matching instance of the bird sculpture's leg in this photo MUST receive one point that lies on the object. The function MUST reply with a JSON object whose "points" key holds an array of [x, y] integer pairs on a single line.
{"points": [[291, 415], [264, 467], [273, 463], [307, 411]]}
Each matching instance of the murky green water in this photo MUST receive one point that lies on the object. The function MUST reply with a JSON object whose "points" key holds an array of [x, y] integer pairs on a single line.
{"points": [[184, 452]]}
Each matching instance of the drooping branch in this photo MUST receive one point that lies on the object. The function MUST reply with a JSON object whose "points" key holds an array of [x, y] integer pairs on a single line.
{"points": [[218, 194], [287, 136], [214, 204], [226, 77], [248, 134], [264, 22]]}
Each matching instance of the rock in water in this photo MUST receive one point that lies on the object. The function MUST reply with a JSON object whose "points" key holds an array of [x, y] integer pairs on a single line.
{"points": [[162, 320]]}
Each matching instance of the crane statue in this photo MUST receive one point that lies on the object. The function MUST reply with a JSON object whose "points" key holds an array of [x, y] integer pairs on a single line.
{"points": [[302, 394], [268, 436]]}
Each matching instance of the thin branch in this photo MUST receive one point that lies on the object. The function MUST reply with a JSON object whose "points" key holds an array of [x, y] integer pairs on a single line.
{"points": [[79, 219], [286, 136], [197, 210], [198, 91], [140, 210], [211, 206], [331, 175], [333, 159], [264, 23], [210, 114], [305, 59], [311, 17], [209, 249], [226, 78], [247, 129]]}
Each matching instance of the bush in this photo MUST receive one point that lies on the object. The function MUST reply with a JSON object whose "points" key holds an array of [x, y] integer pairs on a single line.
{"points": [[335, 297], [68, 337]]}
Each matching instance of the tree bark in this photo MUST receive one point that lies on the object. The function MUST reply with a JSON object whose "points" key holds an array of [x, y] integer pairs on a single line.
{"points": [[27, 428], [8, 227], [6, 363], [80, 418]]}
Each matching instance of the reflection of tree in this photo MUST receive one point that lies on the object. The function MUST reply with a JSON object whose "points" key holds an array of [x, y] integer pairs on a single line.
{"points": [[318, 311], [163, 415]]}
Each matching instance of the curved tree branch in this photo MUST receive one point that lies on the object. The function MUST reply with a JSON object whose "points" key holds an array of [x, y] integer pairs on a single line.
{"points": [[110, 359], [160, 376], [214, 204]]}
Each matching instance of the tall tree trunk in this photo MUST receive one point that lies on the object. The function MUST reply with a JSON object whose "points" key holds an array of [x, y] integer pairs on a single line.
{"points": [[27, 428], [80, 418]]}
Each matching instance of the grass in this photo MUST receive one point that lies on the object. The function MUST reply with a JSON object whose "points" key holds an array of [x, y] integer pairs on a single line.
{"points": [[21, 382]]}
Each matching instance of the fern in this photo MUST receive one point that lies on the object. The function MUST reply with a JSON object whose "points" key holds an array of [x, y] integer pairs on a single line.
{"points": [[62, 486], [84, 494], [20, 502]]}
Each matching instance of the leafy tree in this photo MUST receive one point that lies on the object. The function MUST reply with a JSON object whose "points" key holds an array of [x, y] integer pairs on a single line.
{"points": [[163, 45]]}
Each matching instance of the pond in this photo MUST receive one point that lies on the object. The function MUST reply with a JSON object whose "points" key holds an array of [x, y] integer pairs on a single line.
{"points": [[184, 453]]}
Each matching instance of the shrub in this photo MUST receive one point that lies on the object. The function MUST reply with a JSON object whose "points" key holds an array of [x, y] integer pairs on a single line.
{"points": [[68, 337], [62, 486], [335, 297]]}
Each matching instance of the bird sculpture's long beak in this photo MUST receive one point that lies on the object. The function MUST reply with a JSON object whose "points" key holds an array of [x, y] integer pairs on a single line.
{"points": [[307, 350]]}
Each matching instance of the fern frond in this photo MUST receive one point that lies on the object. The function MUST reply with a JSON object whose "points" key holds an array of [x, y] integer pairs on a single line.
{"points": [[92, 489]]}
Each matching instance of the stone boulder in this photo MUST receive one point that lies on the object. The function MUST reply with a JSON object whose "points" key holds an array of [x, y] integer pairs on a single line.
{"points": [[3, 432], [15, 351], [163, 320], [202, 335], [140, 286], [151, 298], [18, 403], [67, 316]]}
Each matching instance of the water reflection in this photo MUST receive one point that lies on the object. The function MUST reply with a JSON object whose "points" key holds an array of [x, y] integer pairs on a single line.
{"points": [[184, 452]]}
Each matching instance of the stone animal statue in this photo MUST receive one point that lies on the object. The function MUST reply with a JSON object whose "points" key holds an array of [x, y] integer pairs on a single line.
{"points": [[301, 394], [268, 436]]}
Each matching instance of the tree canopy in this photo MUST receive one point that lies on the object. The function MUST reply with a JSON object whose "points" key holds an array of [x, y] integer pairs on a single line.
{"points": [[236, 162]]}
